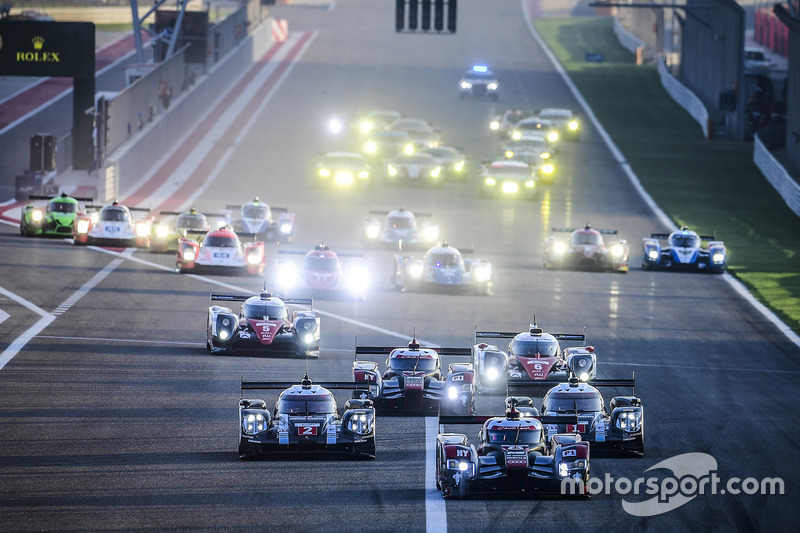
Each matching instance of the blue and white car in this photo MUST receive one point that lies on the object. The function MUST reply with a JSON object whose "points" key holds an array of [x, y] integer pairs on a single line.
{"points": [[684, 250], [256, 217], [400, 227], [479, 81], [442, 269]]}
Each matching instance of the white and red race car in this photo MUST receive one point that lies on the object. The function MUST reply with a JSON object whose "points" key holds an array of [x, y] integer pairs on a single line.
{"points": [[586, 249], [221, 251], [113, 225]]}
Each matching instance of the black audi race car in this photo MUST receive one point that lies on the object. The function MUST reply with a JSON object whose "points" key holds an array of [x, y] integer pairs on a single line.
{"points": [[514, 455], [305, 419], [413, 381]]}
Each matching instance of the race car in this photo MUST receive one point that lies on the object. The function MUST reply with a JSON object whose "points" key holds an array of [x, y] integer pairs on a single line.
{"points": [[400, 226], [420, 131], [413, 382], [418, 169], [113, 225], [533, 357], [54, 220], [362, 123], [616, 429], [442, 268], [344, 170], [263, 326], [503, 124], [322, 272], [305, 420], [169, 226], [256, 217], [452, 161], [565, 121], [383, 144], [508, 179], [586, 249], [533, 127], [537, 153], [684, 251], [479, 81], [515, 455], [221, 251]]}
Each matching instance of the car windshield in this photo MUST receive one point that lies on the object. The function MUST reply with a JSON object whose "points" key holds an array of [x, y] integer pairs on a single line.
{"points": [[415, 159], [588, 402], [400, 222], [531, 346], [318, 405], [754, 55], [255, 211], [192, 221], [685, 241], [220, 241], [262, 310], [409, 363], [316, 263], [586, 237], [442, 152], [62, 207], [114, 215], [554, 114], [409, 124], [343, 161], [445, 260], [479, 76], [511, 436], [519, 173]]}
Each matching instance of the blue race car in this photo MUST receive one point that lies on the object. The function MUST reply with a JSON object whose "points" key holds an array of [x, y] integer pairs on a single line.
{"points": [[684, 250]]}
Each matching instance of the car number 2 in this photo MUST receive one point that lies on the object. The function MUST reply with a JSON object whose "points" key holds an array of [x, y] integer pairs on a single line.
{"points": [[306, 430]]}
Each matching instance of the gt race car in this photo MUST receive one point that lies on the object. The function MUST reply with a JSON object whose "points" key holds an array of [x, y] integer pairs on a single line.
{"points": [[452, 161], [257, 217], [616, 429], [221, 251], [54, 220], [508, 179], [263, 326], [305, 420], [515, 455], [323, 272], [566, 121], [479, 81], [537, 153], [442, 268], [533, 356], [113, 225], [586, 249], [400, 227], [416, 169], [170, 226], [413, 382], [343, 170], [684, 251]]}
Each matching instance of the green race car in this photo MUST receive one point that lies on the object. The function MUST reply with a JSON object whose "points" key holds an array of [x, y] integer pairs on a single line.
{"points": [[54, 220]]}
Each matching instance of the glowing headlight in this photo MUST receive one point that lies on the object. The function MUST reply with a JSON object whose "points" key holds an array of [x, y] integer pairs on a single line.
{"points": [[547, 168], [516, 135], [409, 149], [452, 393], [415, 271], [360, 423], [563, 470], [545, 155], [253, 424], [573, 125], [491, 373], [391, 170], [431, 233], [286, 228], [253, 258], [458, 167], [490, 182], [584, 376], [481, 274], [142, 230], [95, 218], [37, 216], [189, 255], [372, 231], [629, 421], [83, 226], [286, 275], [510, 187], [552, 136], [494, 125], [162, 231], [463, 466], [492, 86], [509, 154], [559, 248], [223, 334], [344, 178], [616, 250], [466, 85], [371, 147], [363, 174], [335, 125], [308, 338], [366, 126], [530, 184], [718, 257], [436, 172], [652, 254], [324, 172]]}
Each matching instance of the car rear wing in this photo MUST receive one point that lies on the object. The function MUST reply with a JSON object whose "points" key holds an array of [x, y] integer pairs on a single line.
{"points": [[386, 212], [271, 208], [576, 337], [534, 385], [603, 231], [665, 236], [386, 350], [481, 419], [272, 385], [51, 197], [215, 297], [176, 213]]}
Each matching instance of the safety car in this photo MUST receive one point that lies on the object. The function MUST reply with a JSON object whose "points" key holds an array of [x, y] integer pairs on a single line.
{"points": [[418, 169], [479, 81], [508, 179], [452, 161], [532, 357], [412, 381], [400, 227], [565, 121], [257, 217], [515, 454], [343, 170], [221, 251], [586, 249], [56, 219], [684, 250], [112, 225], [170, 226], [442, 269], [263, 326], [322, 272], [617, 428], [304, 420]]}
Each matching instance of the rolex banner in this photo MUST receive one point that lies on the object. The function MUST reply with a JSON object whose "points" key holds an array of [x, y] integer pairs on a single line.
{"points": [[44, 48]]}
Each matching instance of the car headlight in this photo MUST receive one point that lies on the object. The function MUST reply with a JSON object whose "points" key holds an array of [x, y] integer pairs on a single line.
{"points": [[530, 184], [552, 136], [286, 275], [415, 271], [629, 421], [492, 86], [547, 168], [617, 250], [254, 423], [408, 149], [494, 125], [466, 85], [391, 170], [718, 257], [142, 229], [366, 126], [308, 338], [516, 135], [162, 231], [324, 172], [458, 167], [372, 231], [544, 155], [254, 258], [509, 154], [189, 255], [482, 274], [344, 178], [436, 172], [363, 174], [286, 228], [559, 247], [652, 254], [573, 125], [491, 182], [361, 423], [584, 376], [563, 470], [371, 147], [37, 216], [510, 187], [430, 233], [95, 218], [335, 125], [491, 373], [452, 393], [83, 226]]}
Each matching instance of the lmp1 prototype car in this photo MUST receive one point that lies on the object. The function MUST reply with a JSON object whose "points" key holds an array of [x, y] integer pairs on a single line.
{"points": [[400, 227], [586, 249], [515, 455], [322, 272], [533, 357], [263, 326], [222, 252], [170, 226], [305, 419], [618, 428], [256, 217], [413, 381], [113, 225], [684, 251], [443, 268], [55, 220], [479, 81]]}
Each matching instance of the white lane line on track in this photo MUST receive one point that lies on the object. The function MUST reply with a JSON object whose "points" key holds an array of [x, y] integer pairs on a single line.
{"points": [[3, 316], [23, 339], [89, 285], [435, 507], [704, 368]]}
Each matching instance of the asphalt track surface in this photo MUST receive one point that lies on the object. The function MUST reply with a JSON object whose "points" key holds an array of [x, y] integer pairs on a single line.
{"points": [[114, 417]]}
